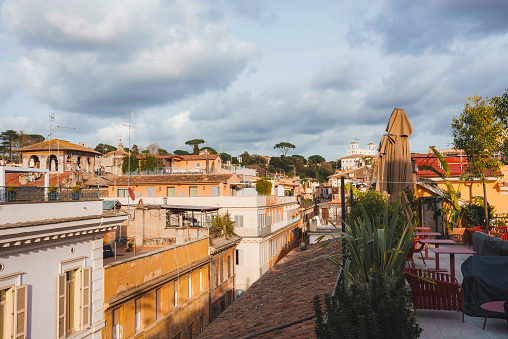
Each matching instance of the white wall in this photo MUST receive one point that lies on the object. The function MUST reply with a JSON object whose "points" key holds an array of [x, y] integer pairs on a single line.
{"points": [[21, 212], [40, 269]]}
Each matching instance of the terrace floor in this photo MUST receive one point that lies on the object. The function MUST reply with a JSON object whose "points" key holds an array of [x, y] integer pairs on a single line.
{"points": [[448, 324]]}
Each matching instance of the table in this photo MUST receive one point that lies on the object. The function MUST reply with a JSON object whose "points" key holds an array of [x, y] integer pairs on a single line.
{"points": [[494, 306], [452, 251], [427, 235], [436, 242]]}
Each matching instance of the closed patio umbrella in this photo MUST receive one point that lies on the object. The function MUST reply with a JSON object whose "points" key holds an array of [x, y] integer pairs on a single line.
{"points": [[395, 165]]}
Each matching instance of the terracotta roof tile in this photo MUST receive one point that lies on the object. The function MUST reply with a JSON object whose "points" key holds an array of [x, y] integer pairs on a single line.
{"points": [[173, 179], [54, 145], [283, 295]]}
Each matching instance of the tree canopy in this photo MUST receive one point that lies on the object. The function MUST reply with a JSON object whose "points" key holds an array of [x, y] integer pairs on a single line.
{"points": [[195, 144], [148, 163], [209, 149], [104, 148], [284, 147], [317, 159], [263, 187], [479, 132], [9, 142], [180, 152], [133, 161]]}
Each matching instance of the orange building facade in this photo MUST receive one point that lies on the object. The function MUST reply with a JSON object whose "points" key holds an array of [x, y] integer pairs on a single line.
{"points": [[162, 294], [175, 185]]}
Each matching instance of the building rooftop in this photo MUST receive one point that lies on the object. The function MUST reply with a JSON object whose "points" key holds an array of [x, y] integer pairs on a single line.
{"points": [[282, 296], [55, 144], [173, 179]]}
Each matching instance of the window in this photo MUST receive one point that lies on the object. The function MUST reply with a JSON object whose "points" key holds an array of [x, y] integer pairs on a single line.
{"points": [[190, 285], [221, 269], [215, 191], [201, 323], [193, 191], [150, 191], [229, 266], [13, 312], [73, 301], [198, 165], [122, 192], [116, 324], [137, 314], [239, 221], [158, 303], [239, 257], [191, 325], [200, 279], [170, 192], [175, 286]]}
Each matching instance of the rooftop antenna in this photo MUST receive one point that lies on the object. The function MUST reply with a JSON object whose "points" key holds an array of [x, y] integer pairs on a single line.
{"points": [[51, 119], [58, 153], [129, 175]]}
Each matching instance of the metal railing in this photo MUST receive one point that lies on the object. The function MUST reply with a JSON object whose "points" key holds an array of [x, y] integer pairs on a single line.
{"points": [[29, 194]]}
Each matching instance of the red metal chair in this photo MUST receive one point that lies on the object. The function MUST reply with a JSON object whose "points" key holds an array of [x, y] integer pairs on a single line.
{"points": [[445, 294], [415, 249]]}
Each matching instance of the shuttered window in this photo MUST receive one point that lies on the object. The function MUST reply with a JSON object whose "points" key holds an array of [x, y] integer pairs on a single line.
{"points": [[215, 191], [239, 257], [239, 221], [74, 294], [170, 192], [193, 191], [13, 312]]}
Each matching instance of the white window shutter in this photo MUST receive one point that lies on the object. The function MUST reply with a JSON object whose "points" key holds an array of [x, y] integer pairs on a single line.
{"points": [[20, 312], [62, 301], [85, 304]]}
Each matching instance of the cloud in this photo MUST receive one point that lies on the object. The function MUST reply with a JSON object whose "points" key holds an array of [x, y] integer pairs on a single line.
{"points": [[413, 27], [116, 57], [254, 9], [343, 75]]}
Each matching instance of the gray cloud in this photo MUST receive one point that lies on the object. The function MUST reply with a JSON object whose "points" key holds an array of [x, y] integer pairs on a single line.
{"points": [[254, 9], [410, 27], [120, 57], [344, 75]]}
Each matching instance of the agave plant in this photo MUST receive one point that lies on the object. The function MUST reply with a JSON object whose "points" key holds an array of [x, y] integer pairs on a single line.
{"points": [[452, 213], [371, 247]]}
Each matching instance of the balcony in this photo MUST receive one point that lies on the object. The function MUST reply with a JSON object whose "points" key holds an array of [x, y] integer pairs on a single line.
{"points": [[30, 194]]}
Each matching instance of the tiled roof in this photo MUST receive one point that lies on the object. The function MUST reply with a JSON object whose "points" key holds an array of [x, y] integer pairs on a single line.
{"points": [[198, 157], [457, 164], [54, 145], [283, 295], [116, 153], [54, 178], [173, 179]]}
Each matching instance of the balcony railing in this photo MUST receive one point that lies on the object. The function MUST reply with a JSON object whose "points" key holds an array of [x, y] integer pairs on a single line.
{"points": [[29, 194]]}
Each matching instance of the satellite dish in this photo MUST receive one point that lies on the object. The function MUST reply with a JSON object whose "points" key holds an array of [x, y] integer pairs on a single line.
{"points": [[131, 194]]}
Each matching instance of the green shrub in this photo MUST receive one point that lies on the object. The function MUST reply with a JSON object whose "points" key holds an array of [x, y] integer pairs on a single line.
{"points": [[222, 225], [377, 309], [374, 203], [263, 187], [475, 212]]}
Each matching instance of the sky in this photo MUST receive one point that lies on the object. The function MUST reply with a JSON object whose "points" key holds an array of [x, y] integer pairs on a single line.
{"points": [[246, 75]]}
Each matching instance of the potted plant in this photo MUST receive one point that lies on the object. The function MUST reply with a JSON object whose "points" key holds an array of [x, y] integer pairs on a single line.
{"points": [[76, 192], [12, 192], [130, 245], [53, 192], [452, 212]]}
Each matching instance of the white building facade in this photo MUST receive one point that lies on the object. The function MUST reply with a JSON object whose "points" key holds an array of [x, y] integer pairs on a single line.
{"points": [[51, 270], [270, 227]]}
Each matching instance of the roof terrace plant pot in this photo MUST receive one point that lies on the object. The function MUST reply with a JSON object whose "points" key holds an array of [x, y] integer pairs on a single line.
{"points": [[457, 235]]}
